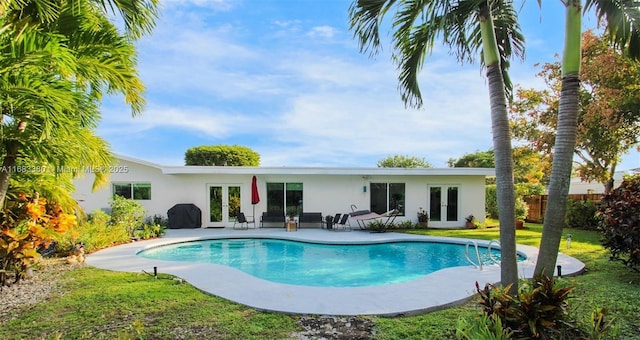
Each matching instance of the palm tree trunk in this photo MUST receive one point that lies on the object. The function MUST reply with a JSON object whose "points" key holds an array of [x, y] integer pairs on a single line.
{"points": [[564, 145], [8, 164], [503, 153]]}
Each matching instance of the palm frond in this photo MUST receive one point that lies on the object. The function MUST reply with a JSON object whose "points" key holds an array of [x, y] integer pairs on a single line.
{"points": [[366, 18], [621, 19]]}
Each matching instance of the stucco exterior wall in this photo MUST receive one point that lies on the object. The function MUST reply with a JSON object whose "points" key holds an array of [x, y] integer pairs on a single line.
{"points": [[325, 193]]}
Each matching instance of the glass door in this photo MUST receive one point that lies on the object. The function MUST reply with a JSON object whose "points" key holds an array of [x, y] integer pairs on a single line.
{"points": [[224, 204], [444, 205]]}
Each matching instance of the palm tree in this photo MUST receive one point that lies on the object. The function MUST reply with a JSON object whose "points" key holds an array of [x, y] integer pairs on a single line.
{"points": [[58, 60], [621, 19], [466, 26]]}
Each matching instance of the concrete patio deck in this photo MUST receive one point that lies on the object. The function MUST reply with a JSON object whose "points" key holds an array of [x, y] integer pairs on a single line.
{"points": [[432, 292]]}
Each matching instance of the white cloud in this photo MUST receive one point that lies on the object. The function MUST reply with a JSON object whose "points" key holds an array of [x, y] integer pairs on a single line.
{"points": [[295, 100], [326, 32]]}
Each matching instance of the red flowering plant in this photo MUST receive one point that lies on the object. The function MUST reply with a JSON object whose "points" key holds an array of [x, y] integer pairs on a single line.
{"points": [[27, 224]]}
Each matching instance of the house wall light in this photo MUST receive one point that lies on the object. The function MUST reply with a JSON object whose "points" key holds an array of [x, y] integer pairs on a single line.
{"points": [[364, 188]]}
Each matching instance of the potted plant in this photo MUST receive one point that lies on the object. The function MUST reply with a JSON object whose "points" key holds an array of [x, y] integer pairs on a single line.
{"points": [[522, 209], [291, 212], [470, 222], [423, 218], [329, 221]]}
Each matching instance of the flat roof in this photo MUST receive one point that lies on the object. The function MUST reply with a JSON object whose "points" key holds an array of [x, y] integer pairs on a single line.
{"points": [[297, 170]]}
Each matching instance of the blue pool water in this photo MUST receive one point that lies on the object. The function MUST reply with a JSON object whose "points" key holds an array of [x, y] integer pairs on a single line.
{"points": [[326, 265]]}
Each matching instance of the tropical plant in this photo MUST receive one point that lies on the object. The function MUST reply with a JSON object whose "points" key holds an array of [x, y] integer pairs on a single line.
{"points": [[620, 211], [620, 22], [465, 27], [49, 117], [26, 224], [404, 225], [377, 226], [535, 312], [485, 327]]}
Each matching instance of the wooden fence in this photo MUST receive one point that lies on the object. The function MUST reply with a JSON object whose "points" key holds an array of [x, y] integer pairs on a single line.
{"points": [[538, 204]]}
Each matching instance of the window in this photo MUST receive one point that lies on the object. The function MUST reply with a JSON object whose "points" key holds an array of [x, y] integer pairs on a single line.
{"points": [[387, 196], [284, 197], [137, 191]]}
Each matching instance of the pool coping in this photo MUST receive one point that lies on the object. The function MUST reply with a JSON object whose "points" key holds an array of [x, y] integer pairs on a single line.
{"points": [[441, 289]]}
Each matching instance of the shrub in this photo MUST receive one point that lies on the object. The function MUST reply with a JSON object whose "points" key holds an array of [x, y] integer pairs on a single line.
{"points": [[96, 232], [127, 213], [538, 310], [26, 224], [620, 211], [377, 226], [404, 225], [157, 219], [150, 231], [491, 201], [485, 327], [582, 215], [522, 209]]}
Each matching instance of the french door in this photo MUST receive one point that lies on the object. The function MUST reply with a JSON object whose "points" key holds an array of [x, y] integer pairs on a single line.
{"points": [[444, 204], [224, 204]]}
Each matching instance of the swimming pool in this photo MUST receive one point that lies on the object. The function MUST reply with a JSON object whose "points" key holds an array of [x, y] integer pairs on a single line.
{"points": [[323, 265]]}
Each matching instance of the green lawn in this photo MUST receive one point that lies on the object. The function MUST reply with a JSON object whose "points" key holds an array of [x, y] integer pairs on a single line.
{"points": [[98, 304]]}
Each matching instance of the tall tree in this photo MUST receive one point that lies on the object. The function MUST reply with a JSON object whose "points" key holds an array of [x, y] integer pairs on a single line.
{"points": [[620, 20], [608, 117], [529, 166], [466, 27], [221, 155], [58, 59], [403, 161]]}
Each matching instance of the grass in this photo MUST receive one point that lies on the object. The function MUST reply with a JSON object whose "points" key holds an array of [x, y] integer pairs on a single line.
{"points": [[98, 304]]}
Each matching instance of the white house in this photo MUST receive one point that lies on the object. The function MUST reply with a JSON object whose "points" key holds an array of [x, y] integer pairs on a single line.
{"points": [[448, 194], [577, 186]]}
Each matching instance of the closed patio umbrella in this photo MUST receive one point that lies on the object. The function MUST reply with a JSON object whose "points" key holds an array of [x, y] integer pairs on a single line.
{"points": [[255, 196]]}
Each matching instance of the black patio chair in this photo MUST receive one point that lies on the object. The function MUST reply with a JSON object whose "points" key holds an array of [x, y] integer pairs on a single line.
{"points": [[243, 221], [343, 223]]}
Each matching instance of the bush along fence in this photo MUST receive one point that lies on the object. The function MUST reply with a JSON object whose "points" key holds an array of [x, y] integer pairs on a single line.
{"points": [[538, 204]]}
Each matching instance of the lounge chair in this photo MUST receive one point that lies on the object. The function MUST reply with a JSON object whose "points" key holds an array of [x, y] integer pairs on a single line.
{"points": [[243, 221], [343, 223], [365, 215]]}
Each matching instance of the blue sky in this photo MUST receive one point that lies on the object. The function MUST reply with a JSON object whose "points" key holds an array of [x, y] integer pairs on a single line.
{"points": [[286, 79]]}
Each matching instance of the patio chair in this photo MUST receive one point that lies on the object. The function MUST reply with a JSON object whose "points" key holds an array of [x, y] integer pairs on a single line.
{"points": [[243, 221], [343, 223], [271, 217], [335, 221], [310, 217]]}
